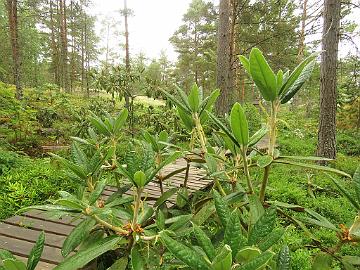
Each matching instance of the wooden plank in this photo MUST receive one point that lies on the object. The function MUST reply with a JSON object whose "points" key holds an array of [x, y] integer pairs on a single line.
{"points": [[22, 248], [21, 233], [40, 225], [18, 234], [43, 215]]}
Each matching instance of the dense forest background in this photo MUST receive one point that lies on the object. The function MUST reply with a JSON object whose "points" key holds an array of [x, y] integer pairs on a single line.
{"points": [[58, 44]]}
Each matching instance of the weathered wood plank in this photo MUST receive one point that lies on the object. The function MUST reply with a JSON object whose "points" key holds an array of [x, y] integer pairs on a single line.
{"points": [[18, 234], [21, 233], [22, 248], [40, 225]]}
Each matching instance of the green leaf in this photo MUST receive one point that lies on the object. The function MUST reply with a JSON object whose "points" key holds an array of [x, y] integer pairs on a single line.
{"points": [[194, 98], [222, 208], [120, 120], [100, 185], [284, 259], [182, 197], [343, 190], [223, 260], [145, 214], [319, 220], [13, 264], [178, 103], [263, 76], [312, 166], [140, 179], [207, 105], [5, 254], [78, 155], [204, 242], [83, 257], [160, 220], [239, 124], [271, 239], [183, 97], [356, 181], [120, 264], [299, 83], [264, 161], [184, 253], [245, 62], [166, 195], [258, 263], [35, 253], [97, 123], [354, 260], [233, 234], [247, 254], [279, 79], [306, 158], [136, 259], [223, 128], [186, 119], [254, 139], [322, 261], [256, 209], [297, 78], [180, 223], [263, 226], [163, 136], [77, 235]]}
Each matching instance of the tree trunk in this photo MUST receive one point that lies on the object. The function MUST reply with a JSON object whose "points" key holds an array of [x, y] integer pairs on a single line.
{"points": [[127, 54], [54, 46], [11, 6], [327, 126], [223, 68], [64, 52]]}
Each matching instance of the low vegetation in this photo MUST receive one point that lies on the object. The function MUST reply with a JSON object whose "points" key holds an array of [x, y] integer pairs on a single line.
{"points": [[267, 209]]}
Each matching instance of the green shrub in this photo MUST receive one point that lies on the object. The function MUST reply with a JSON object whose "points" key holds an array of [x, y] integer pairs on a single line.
{"points": [[33, 182]]}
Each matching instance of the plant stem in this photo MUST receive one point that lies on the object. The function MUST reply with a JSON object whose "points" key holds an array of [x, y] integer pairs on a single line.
{"points": [[136, 207], [200, 132], [109, 226], [272, 142], [246, 170]]}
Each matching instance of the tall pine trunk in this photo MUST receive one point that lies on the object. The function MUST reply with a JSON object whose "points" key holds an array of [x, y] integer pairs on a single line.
{"points": [[11, 6], [127, 53], [64, 46], [327, 125], [54, 45], [223, 67]]}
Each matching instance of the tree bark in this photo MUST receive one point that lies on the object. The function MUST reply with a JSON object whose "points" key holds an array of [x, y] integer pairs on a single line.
{"points": [[223, 68], [64, 49], [54, 45], [127, 53], [327, 125], [11, 6]]}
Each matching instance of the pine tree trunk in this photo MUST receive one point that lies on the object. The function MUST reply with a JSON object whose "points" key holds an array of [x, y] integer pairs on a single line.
{"points": [[54, 46], [127, 54], [64, 52], [327, 126], [223, 68], [11, 6]]}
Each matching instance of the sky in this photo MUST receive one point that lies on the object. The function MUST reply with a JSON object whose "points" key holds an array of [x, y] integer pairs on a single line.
{"points": [[151, 26], [153, 23]]}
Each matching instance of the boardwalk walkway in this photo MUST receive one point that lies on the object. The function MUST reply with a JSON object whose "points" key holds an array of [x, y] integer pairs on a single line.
{"points": [[19, 233]]}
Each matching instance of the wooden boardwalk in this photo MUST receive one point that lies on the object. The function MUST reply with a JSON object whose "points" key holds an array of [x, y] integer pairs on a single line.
{"points": [[19, 233]]}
